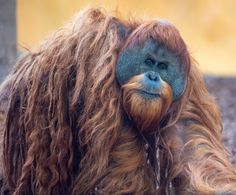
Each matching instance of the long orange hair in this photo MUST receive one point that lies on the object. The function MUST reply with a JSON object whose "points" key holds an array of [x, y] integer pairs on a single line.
{"points": [[64, 123]]}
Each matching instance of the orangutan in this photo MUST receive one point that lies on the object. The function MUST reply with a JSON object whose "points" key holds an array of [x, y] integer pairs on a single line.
{"points": [[111, 106]]}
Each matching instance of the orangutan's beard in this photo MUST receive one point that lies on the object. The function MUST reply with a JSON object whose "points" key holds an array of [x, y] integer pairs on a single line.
{"points": [[146, 110]]}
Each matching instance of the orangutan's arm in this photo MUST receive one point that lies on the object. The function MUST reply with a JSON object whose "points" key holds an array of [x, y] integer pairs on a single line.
{"points": [[200, 163]]}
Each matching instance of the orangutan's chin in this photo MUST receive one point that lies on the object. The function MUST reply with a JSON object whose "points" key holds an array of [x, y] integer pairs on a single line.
{"points": [[146, 109]]}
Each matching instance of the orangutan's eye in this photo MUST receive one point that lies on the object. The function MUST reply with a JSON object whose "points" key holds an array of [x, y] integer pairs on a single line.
{"points": [[162, 65], [150, 61]]}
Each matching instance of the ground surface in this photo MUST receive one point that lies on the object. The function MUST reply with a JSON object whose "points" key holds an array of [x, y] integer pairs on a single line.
{"points": [[224, 89]]}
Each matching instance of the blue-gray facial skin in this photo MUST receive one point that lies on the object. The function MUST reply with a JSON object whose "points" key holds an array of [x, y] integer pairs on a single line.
{"points": [[155, 62]]}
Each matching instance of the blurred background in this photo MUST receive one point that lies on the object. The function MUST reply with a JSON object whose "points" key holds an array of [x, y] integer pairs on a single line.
{"points": [[207, 26]]}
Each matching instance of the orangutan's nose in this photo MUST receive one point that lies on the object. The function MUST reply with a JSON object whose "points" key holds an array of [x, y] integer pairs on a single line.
{"points": [[152, 76]]}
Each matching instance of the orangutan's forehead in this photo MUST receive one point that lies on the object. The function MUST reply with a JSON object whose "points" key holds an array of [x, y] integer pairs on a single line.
{"points": [[150, 48], [149, 45]]}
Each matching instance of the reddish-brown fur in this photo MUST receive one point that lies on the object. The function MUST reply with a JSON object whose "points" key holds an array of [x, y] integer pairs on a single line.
{"points": [[63, 116], [200, 164], [145, 113]]}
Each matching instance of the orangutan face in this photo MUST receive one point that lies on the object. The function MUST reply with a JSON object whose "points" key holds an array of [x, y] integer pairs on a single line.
{"points": [[151, 77]]}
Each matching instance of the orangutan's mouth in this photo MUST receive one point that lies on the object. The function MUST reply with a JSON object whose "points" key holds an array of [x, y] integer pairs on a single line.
{"points": [[148, 94]]}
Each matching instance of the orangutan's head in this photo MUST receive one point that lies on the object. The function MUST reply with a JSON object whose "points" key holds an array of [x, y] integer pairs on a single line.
{"points": [[152, 71]]}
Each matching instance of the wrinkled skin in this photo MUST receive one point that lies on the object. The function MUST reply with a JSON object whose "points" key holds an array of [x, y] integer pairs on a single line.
{"points": [[156, 62]]}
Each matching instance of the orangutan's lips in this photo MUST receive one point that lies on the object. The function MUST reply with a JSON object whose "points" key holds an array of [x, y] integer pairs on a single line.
{"points": [[148, 94]]}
